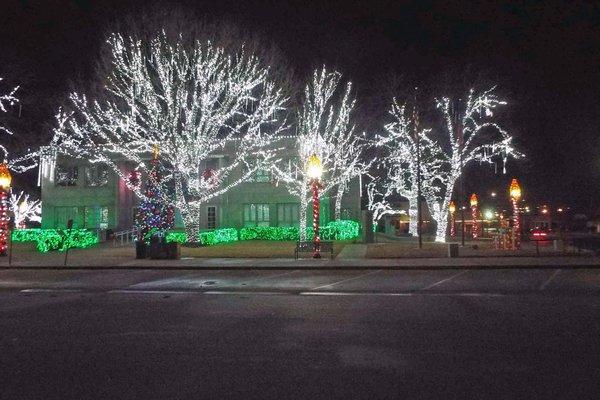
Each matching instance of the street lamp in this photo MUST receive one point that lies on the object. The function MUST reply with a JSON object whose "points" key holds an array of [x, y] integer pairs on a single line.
{"points": [[314, 170], [452, 209], [5, 181], [515, 194], [473, 201]]}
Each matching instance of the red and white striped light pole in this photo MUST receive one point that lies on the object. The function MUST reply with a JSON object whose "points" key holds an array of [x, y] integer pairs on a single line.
{"points": [[452, 209], [5, 181], [515, 195], [473, 201], [314, 170]]}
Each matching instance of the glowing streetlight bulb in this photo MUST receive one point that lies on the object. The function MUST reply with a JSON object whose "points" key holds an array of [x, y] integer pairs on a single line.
{"points": [[515, 190], [5, 177], [314, 167], [473, 201]]}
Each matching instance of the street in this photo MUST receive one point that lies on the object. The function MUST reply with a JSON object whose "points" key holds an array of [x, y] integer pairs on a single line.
{"points": [[361, 334]]}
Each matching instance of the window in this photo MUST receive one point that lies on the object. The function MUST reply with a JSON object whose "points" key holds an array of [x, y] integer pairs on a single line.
{"points": [[256, 215], [287, 214], [261, 175], [96, 175], [211, 217], [95, 217], [66, 175]]}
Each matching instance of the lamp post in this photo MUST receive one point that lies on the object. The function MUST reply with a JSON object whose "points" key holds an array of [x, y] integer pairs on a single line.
{"points": [[5, 181], [473, 201], [515, 194], [314, 170], [452, 209]]}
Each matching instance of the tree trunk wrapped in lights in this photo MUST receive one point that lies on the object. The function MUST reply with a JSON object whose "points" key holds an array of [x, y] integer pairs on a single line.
{"points": [[194, 101]]}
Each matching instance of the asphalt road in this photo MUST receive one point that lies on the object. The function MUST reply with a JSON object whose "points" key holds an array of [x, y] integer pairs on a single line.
{"points": [[446, 334]]}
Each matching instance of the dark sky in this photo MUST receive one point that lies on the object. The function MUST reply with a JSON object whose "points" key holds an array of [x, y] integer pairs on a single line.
{"points": [[544, 57]]}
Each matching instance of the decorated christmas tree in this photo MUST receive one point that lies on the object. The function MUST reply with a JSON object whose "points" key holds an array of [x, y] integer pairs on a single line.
{"points": [[154, 217]]}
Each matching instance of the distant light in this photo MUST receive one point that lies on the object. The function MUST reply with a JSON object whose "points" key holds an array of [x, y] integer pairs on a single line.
{"points": [[488, 214], [559, 210], [544, 211], [493, 194]]}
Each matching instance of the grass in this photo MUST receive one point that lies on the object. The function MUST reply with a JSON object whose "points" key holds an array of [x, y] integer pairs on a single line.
{"points": [[251, 249]]}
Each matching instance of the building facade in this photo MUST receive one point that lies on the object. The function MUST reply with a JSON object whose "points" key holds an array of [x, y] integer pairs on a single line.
{"points": [[95, 197]]}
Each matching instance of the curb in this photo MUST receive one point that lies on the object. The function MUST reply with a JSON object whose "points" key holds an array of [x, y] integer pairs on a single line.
{"points": [[297, 267]]}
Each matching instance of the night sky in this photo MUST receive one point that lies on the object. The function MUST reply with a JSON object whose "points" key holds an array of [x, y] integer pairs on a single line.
{"points": [[544, 57]]}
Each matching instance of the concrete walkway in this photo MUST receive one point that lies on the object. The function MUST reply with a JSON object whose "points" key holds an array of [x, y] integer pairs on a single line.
{"points": [[286, 263]]}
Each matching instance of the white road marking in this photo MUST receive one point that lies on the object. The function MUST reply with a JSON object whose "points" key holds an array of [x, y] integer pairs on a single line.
{"points": [[444, 280], [50, 290], [547, 282], [346, 280], [141, 291], [248, 292], [405, 294]]}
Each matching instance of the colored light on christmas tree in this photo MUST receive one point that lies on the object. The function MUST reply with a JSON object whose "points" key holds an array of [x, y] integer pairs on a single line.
{"points": [[154, 217]]}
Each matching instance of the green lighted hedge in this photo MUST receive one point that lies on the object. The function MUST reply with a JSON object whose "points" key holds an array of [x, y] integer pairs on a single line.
{"points": [[269, 233], [225, 235], [335, 230], [56, 239]]}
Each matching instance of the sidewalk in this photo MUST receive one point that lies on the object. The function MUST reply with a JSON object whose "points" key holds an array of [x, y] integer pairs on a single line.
{"points": [[323, 264]]}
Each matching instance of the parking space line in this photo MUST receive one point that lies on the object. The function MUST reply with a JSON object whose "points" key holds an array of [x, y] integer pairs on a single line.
{"points": [[50, 291], [346, 280], [547, 282], [444, 280]]}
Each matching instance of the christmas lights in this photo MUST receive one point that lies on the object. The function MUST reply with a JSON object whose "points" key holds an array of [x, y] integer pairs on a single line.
{"points": [[20, 163], [197, 102], [24, 209], [334, 230], [401, 140], [56, 239], [471, 136], [326, 130], [154, 217], [473, 202]]}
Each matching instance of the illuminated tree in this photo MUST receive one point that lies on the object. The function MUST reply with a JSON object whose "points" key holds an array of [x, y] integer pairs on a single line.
{"points": [[20, 163], [325, 129], [194, 101], [24, 209], [154, 216], [470, 135], [377, 201], [401, 141]]}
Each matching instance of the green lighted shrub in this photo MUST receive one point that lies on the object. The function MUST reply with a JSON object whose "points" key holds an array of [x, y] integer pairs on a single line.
{"points": [[344, 229], [269, 233], [179, 237], [335, 230], [225, 235], [56, 239], [25, 235]]}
